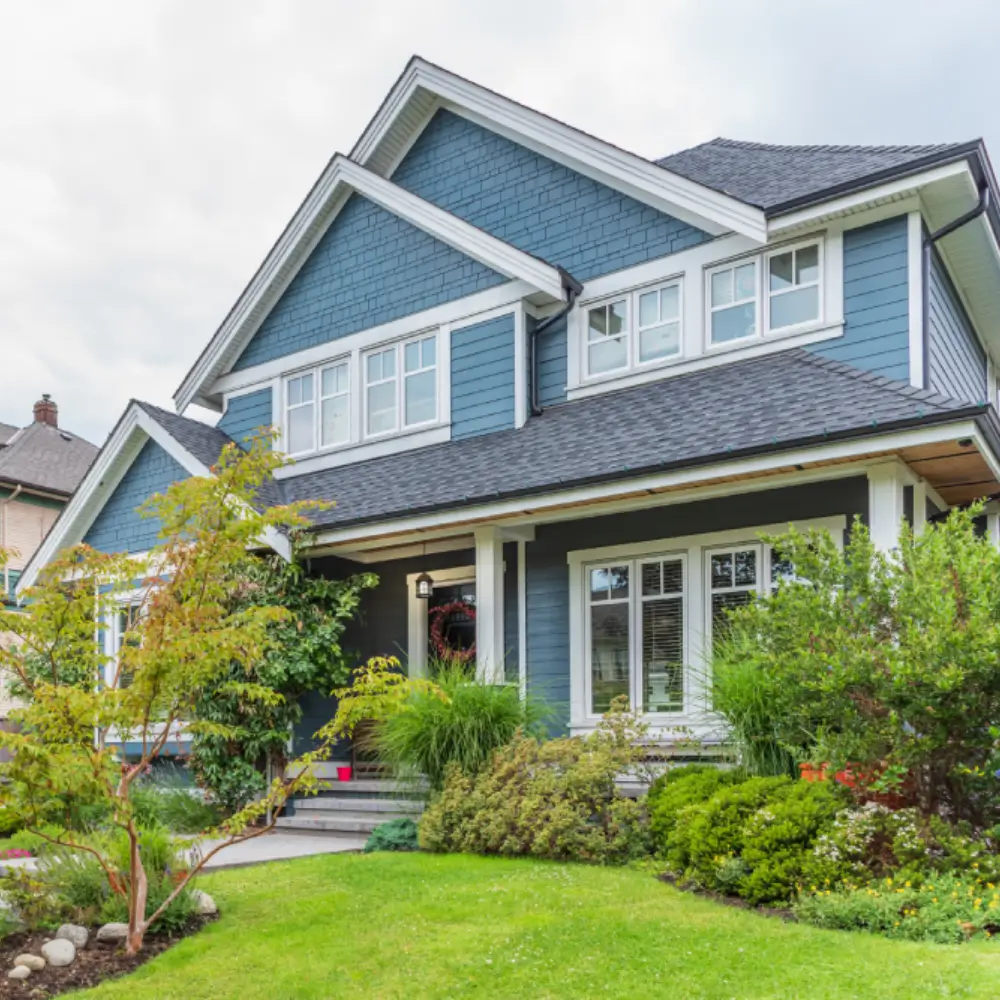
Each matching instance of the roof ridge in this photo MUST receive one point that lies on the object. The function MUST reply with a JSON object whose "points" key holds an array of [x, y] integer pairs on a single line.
{"points": [[831, 147]]}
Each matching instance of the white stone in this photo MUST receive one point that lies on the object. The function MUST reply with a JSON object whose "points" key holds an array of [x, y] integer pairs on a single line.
{"points": [[112, 933], [204, 905], [59, 952], [19, 972], [75, 933], [32, 962]]}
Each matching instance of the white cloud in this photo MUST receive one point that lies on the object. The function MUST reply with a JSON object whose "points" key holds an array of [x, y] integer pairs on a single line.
{"points": [[151, 153]]}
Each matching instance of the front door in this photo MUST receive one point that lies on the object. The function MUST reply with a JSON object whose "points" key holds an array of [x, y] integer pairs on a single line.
{"points": [[450, 628]]}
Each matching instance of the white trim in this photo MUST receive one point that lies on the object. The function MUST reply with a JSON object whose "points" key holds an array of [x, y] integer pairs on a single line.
{"points": [[416, 614], [694, 549], [314, 217], [885, 502], [522, 617], [490, 646], [592, 157], [536, 508], [459, 313], [915, 292], [520, 365]]}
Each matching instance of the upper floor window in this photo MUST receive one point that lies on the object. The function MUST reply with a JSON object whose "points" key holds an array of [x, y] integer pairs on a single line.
{"points": [[401, 386], [632, 330], [776, 292], [327, 423]]}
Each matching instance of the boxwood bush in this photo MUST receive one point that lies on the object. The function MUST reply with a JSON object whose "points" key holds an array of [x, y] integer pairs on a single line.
{"points": [[678, 789]]}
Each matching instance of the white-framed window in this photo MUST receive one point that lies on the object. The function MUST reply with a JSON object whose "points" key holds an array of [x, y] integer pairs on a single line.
{"points": [[734, 575], [318, 408], [633, 330], [635, 633], [392, 402], [120, 633], [771, 293]]}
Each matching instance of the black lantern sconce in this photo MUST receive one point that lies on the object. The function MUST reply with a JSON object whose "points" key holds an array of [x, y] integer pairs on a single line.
{"points": [[425, 587]]}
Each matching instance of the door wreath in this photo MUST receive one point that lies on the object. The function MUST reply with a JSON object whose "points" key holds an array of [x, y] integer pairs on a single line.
{"points": [[438, 619]]}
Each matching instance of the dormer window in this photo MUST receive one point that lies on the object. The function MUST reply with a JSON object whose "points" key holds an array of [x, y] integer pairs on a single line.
{"points": [[326, 425], [394, 403]]}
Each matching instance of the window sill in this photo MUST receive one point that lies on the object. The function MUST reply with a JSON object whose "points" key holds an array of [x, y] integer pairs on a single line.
{"points": [[721, 354]]}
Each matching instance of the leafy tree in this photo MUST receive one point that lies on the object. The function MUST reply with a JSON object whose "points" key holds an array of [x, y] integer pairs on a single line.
{"points": [[184, 637], [304, 654], [887, 664]]}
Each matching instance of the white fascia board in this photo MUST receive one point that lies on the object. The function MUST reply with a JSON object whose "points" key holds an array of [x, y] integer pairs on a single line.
{"points": [[644, 180], [557, 505], [317, 213]]}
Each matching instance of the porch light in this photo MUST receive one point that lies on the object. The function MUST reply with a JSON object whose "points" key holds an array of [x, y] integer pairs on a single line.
{"points": [[425, 587]]}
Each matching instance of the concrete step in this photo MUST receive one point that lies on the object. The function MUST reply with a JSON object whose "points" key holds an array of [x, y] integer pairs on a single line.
{"points": [[371, 786], [337, 822], [331, 803]]}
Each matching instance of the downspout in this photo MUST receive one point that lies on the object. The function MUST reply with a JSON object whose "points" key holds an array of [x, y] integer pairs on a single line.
{"points": [[928, 249], [573, 289]]}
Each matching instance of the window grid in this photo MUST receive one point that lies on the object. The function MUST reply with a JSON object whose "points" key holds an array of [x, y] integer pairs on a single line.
{"points": [[300, 414], [403, 379], [335, 405]]}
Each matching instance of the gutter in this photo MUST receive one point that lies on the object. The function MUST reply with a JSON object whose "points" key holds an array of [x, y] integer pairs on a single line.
{"points": [[929, 240], [573, 289]]}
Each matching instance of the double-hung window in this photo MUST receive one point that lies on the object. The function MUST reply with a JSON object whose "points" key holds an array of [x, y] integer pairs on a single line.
{"points": [[318, 409], [121, 635], [773, 293], [401, 386], [734, 578], [635, 634], [632, 330]]}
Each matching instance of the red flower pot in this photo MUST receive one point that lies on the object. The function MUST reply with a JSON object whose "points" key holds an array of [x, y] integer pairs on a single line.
{"points": [[344, 773]]}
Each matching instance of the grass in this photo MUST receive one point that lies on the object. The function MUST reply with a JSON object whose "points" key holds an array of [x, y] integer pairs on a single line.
{"points": [[390, 925]]}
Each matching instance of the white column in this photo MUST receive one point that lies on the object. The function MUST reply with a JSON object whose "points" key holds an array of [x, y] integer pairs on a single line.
{"points": [[489, 606], [919, 506], [885, 503]]}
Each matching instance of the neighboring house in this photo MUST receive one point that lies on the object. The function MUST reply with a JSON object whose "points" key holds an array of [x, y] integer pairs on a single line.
{"points": [[40, 467], [577, 385]]}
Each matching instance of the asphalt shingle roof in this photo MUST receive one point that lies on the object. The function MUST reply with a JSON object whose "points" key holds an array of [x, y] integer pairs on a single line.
{"points": [[772, 177], [756, 405], [46, 457], [7, 431]]}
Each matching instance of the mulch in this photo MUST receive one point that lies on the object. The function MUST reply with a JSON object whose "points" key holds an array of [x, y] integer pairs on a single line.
{"points": [[781, 913], [93, 965]]}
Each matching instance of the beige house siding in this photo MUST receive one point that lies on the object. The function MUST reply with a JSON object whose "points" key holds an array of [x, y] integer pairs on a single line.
{"points": [[23, 525]]}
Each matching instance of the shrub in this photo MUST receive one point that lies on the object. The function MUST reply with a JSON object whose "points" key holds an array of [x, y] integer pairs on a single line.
{"points": [[25, 840], [464, 727], [79, 880], [553, 799], [168, 800], [678, 789], [946, 909], [396, 835], [779, 837], [707, 836]]}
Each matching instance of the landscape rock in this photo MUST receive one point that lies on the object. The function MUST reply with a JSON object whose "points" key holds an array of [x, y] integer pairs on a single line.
{"points": [[19, 972], [204, 905], [112, 933], [32, 962], [75, 933], [59, 952]]}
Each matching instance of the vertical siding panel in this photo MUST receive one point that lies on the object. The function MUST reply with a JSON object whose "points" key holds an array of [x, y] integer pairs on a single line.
{"points": [[876, 301], [245, 414], [482, 377], [957, 360]]}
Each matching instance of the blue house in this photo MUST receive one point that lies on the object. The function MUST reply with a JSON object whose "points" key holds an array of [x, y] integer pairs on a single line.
{"points": [[573, 386]]}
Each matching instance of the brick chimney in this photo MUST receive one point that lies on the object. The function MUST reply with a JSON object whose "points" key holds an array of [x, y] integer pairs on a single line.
{"points": [[46, 412]]}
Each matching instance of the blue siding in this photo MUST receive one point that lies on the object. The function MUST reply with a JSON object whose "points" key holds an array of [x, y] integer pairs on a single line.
{"points": [[957, 361], [118, 527], [370, 267], [547, 575], [553, 362], [482, 377], [245, 414], [876, 301], [535, 203]]}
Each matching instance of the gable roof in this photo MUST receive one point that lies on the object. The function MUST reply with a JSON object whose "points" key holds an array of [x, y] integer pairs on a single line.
{"points": [[778, 178], [47, 458], [328, 196], [789, 399]]}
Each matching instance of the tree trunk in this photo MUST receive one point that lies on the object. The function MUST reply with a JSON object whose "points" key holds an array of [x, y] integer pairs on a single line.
{"points": [[138, 893]]}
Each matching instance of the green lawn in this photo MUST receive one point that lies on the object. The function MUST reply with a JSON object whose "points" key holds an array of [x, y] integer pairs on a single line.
{"points": [[423, 926]]}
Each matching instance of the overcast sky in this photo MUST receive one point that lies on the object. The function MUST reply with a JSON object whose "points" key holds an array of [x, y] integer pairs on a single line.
{"points": [[151, 152]]}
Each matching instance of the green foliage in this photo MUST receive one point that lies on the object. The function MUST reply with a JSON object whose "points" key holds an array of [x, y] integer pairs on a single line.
{"points": [[166, 799], [707, 836], [947, 909], [303, 654], [551, 799], [778, 840], [679, 788], [36, 905], [396, 835], [889, 663], [464, 727], [39, 842]]}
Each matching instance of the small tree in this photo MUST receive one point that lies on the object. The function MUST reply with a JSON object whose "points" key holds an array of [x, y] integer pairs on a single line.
{"points": [[886, 664], [182, 637]]}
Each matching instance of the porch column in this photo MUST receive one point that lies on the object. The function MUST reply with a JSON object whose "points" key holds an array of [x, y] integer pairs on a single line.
{"points": [[885, 503], [489, 606]]}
